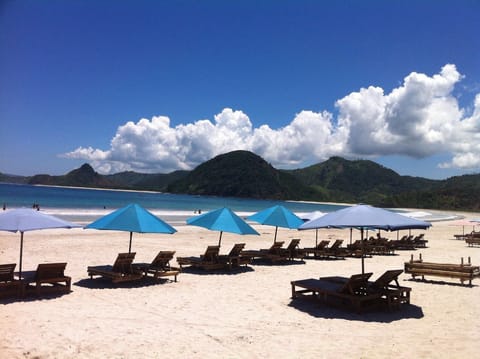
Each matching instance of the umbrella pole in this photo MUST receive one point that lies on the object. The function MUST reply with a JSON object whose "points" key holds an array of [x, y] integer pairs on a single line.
{"points": [[275, 238], [130, 244], [21, 254], [351, 229], [316, 237], [363, 252], [220, 239]]}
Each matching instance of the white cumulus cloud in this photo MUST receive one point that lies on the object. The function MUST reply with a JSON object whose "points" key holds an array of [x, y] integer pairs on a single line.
{"points": [[419, 118]]}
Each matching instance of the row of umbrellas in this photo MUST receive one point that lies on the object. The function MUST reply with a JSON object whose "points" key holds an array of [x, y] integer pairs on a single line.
{"points": [[134, 218]]}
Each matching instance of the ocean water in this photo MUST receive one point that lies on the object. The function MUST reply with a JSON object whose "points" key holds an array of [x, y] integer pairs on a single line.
{"points": [[83, 205]]}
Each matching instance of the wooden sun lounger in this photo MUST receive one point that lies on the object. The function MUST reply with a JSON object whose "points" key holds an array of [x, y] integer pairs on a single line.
{"points": [[9, 286], [405, 243], [335, 250], [352, 294], [48, 278], [472, 241], [236, 257], [312, 251], [273, 254], [159, 267], [121, 271], [292, 251], [357, 248], [420, 241], [379, 246], [386, 285], [208, 261], [463, 271]]}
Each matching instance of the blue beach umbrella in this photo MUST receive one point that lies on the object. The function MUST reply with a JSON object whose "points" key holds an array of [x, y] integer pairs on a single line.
{"points": [[277, 216], [132, 218], [363, 217], [26, 219], [223, 220]]}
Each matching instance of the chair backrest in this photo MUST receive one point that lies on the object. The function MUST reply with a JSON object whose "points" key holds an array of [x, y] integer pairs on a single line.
{"points": [[336, 244], [50, 270], [322, 244], [386, 278], [123, 263], [6, 272], [356, 284], [293, 244], [162, 259], [356, 245], [211, 253], [276, 247], [236, 249]]}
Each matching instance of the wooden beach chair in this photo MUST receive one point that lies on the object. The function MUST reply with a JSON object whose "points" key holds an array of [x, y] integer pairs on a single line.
{"points": [[351, 294], [386, 285], [159, 267], [208, 261], [292, 251], [121, 271], [48, 278], [420, 241], [335, 250], [9, 286], [235, 257], [312, 251], [274, 253]]}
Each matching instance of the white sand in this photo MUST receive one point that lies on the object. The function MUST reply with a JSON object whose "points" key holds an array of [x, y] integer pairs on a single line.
{"points": [[243, 315]]}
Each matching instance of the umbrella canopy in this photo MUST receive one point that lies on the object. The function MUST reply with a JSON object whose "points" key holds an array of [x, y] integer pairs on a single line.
{"points": [[132, 218], [364, 216], [26, 219], [223, 220], [277, 216]]}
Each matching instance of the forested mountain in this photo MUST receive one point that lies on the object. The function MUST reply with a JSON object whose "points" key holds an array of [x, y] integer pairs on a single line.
{"points": [[241, 174], [244, 174], [365, 181]]}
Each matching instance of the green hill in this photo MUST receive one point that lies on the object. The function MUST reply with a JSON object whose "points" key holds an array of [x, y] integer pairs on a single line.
{"points": [[240, 174], [358, 181], [84, 176], [146, 181]]}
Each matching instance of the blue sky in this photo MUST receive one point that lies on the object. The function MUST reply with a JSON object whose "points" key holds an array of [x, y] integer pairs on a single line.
{"points": [[154, 86]]}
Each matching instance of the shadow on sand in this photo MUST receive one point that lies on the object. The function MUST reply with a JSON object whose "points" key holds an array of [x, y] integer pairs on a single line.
{"points": [[319, 310], [233, 271], [267, 262], [441, 282], [102, 283], [30, 297]]}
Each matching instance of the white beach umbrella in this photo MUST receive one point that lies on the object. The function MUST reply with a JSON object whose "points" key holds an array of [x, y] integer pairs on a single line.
{"points": [[365, 217], [26, 219]]}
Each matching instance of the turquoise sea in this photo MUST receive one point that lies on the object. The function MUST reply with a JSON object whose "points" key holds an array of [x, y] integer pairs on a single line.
{"points": [[82, 205]]}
